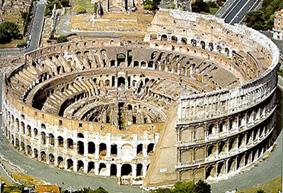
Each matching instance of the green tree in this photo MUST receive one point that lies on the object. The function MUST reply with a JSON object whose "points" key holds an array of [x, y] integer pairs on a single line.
{"points": [[150, 5], [202, 187], [62, 39], [9, 31], [184, 187]]}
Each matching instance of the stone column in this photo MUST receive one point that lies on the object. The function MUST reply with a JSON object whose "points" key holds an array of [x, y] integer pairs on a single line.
{"points": [[96, 168], [134, 170], [119, 170], [75, 165]]}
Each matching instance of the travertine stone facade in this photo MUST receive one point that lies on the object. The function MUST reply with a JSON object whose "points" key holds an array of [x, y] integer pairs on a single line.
{"points": [[120, 108]]}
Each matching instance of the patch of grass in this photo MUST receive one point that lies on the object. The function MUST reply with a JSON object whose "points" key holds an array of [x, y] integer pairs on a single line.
{"points": [[213, 10], [273, 186], [83, 4]]}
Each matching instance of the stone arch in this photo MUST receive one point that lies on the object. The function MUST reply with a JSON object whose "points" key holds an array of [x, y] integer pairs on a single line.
{"points": [[91, 167], [209, 172], [174, 39], [202, 44], [23, 127], [102, 169], [113, 170], [220, 169], [113, 150], [23, 146], [139, 149], [29, 150], [70, 164], [51, 139], [139, 169], [150, 148], [126, 170], [70, 143], [43, 138], [80, 135], [35, 132], [29, 130], [43, 156], [164, 37], [184, 40], [121, 81], [43, 126], [60, 141], [80, 166], [194, 42], [51, 158], [35, 153], [60, 162], [102, 149], [80, 147], [91, 147]]}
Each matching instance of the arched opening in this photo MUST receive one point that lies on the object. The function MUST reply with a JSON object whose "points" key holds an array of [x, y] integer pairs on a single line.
{"points": [[139, 170], [193, 42], [80, 135], [29, 130], [202, 44], [43, 156], [210, 46], [80, 166], [102, 149], [121, 58], [35, 152], [43, 126], [80, 147], [210, 129], [184, 40], [113, 170], [102, 169], [150, 148], [60, 162], [139, 149], [91, 148], [51, 139], [113, 149], [43, 138], [90, 168], [22, 146], [126, 170], [121, 82], [35, 132], [60, 141], [164, 37], [112, 63], [70, 143], [210, 150], [70, 164], [208, 172], [29, 150], [51, 158], [174, 39]]}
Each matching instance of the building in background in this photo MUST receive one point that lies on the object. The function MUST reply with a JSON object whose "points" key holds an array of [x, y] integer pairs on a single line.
{"points": [[278, 25]]}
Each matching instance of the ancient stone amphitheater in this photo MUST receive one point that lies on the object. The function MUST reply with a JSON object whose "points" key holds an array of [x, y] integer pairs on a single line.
{"points": [[195, 100]]}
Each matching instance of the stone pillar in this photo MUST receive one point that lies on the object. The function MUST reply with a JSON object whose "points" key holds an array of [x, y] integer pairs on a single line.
{"points": [[119, 170], [96, 153], [96, 168], [85, 148], [85, 166], [134, 170], [108, 167], [144, 169], [75, 165], [144, 150]]}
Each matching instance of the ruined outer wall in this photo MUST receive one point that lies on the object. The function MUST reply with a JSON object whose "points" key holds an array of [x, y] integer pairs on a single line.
{"points": [[219, 133]]}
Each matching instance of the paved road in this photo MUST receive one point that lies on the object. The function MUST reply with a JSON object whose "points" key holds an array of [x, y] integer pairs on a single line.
{"points": [[234, 11], [37, 26]]}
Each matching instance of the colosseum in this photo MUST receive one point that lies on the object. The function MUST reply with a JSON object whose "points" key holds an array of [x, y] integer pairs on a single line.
{"points": [[196, 99]]}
